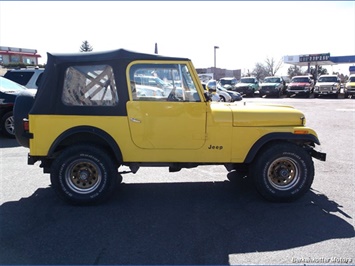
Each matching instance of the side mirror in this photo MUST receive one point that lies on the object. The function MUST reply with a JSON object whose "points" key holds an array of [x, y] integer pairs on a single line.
{"points": [[207, 96], [211, 88]]}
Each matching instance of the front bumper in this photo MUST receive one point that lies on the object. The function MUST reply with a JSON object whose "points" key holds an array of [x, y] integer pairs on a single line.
{"points": [[298, 93], [318, 155], [326, 90], [244, 90], [350, 91], [269, 92]]}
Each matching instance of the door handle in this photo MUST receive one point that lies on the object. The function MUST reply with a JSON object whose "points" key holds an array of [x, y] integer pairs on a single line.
{"points": [[135, 120]]}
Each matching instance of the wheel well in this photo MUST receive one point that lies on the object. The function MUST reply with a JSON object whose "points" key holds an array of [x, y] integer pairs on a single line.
{"points": [[84, 135], [275, 138]]}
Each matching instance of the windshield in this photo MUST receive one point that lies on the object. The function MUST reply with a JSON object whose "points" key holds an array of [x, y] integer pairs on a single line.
{"points": [[300, 80], [328, 79], [228, 81], [7, 85], [247, 80], [352, 79], [272, 80]]}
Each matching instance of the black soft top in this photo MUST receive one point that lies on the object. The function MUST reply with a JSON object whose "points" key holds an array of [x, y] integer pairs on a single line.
{"points": [[103, 56], [48, 98]]}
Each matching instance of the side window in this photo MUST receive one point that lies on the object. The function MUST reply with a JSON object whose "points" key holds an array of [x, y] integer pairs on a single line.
{"points": [[39, 79], [162, 82], [92, 85], [21, 77]]}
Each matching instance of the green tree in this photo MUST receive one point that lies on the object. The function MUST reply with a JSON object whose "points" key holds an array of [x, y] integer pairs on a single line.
{"points": [[85, 47], [268, 68], [317, 71], [259, 71], [271, 66], [295, 71]]}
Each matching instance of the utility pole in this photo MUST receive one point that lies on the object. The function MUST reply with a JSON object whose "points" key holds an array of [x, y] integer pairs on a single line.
{"points": [[156, 48], [214, 71]]}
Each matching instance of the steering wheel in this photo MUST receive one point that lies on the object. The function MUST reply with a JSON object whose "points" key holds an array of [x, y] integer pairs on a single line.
{"points": [[172, 96]]}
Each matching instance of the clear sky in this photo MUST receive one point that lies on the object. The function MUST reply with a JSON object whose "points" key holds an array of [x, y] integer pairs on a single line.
{"points": [[247, 32]]}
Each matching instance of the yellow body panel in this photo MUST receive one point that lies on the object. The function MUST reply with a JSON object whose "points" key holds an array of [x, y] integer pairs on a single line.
{"points": [[203, 133], [164, 131], [167, 125]]}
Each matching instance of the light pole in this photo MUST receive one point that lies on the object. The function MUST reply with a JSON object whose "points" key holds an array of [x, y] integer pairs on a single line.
{"points": [[216, 47]]}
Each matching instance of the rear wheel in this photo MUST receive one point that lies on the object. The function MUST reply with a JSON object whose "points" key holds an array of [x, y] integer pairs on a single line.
{"points": [[83, 175], [7, 125], [283, 172], [222, 99]]}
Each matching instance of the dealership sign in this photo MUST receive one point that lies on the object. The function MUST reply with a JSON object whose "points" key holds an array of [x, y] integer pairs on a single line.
{"points": [[314, 57]]}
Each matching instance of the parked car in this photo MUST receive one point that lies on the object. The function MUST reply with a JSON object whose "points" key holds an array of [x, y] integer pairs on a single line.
{"points": [[232, 81], [247, 86], [152, 81], [82, 140], [327, 85], [8, 93], [235, 96], [223, 96], [300, 86], [28, 77], [272, 86], [350, 87], [149, 91]]}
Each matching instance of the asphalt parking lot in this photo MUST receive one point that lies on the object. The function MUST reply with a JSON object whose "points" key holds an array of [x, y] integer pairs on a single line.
{"points": [[196, 216]]}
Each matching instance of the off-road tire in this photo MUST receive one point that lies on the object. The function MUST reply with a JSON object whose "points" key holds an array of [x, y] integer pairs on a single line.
{"points": [[84, 175], [282, 172]]}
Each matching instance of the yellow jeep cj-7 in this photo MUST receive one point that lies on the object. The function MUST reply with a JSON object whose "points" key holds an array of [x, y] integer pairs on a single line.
{"points": [[96, 112]]}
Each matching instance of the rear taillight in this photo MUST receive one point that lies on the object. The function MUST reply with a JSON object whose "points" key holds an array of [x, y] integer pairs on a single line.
{"points": [[26, 124]]}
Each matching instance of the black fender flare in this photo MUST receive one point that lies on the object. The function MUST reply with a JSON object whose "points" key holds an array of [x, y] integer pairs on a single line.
{"points": [[99, 134], [277, 137]]}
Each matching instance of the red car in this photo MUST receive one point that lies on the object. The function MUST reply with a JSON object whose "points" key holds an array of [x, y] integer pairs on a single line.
{"points": [[300, 86]]}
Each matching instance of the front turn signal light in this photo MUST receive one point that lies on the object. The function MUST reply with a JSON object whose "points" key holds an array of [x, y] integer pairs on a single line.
{"points": [[300, 132]]}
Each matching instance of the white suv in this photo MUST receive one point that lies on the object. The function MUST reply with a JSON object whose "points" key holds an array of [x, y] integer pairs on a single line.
{"points": [[28, 77]]}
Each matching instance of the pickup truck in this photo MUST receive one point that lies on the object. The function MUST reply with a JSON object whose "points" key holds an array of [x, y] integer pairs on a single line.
{"points": [[327, 85], [88, 119]]}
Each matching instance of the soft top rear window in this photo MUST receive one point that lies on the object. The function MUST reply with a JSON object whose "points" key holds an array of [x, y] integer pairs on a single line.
{"points": [[91, 85]]}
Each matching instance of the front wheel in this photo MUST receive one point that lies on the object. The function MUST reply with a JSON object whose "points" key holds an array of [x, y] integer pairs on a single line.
{"points": [[283, 172], [83, 175]]}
